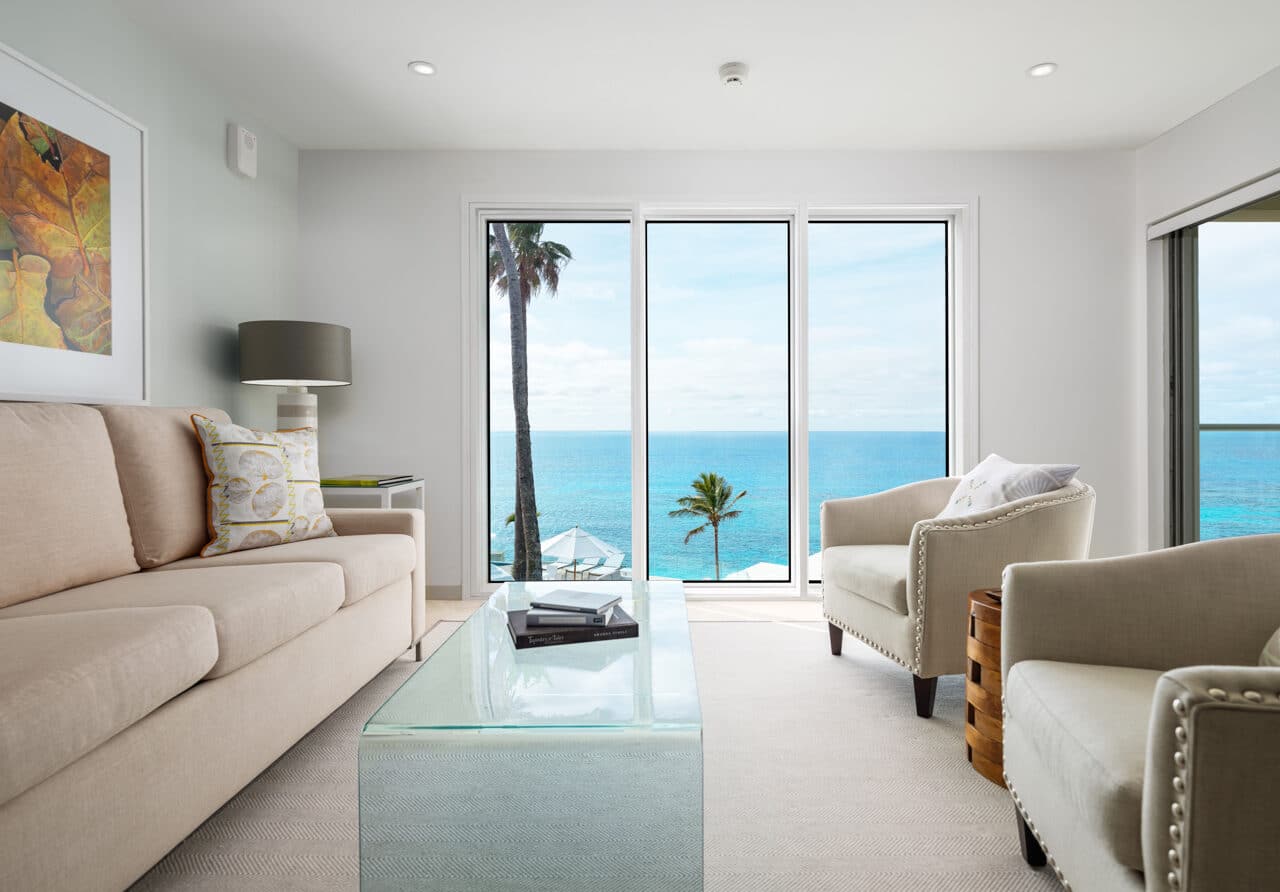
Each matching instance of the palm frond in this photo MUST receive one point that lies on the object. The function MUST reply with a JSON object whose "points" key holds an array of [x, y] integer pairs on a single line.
{"points": [[695, 531]]}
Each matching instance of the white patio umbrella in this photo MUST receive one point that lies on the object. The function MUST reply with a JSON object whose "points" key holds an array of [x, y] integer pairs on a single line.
{"points": [[576, 545]]}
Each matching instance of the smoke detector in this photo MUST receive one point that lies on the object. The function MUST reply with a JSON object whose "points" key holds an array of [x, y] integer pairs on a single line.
{"points": [[733, 74]]}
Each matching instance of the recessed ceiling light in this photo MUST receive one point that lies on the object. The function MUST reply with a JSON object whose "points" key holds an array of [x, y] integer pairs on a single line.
{"points": [[421, 67], [1042, 69]]}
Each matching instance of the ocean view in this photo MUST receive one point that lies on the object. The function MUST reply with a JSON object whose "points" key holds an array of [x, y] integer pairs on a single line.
{"points": [[584, 478]]}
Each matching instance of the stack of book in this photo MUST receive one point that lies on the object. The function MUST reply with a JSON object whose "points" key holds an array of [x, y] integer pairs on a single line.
{"points": [[569, 617], [366, 480]]}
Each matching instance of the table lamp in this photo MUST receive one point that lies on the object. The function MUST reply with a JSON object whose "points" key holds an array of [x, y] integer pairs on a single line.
{"points": [[295, 355]]}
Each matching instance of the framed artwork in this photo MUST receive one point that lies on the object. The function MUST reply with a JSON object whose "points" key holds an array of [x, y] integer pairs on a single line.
{"points": [[73, 242]]}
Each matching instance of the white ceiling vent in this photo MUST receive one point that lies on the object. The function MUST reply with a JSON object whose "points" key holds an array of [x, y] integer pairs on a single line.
{"points": [[733, 74]]}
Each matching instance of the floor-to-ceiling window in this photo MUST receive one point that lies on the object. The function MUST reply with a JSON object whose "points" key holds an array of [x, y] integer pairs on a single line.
{"points": [[575, 351], [719, 400], [1230, 379], [674, 396], [878, 337]]}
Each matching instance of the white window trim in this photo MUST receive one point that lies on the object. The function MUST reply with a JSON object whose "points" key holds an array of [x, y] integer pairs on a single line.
{"points": [[962, 351]]}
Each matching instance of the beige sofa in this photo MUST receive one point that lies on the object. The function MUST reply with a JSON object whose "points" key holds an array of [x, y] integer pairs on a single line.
{"points": [[898, 578], [142, 686], [1140, 733]]}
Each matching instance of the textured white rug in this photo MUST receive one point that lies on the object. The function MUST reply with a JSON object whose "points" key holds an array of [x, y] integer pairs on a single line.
{"points": [[818, 776]]}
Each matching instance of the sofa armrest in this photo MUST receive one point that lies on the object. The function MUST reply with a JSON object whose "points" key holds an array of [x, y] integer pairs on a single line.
{"points": [[1209, 818], [883, 518], [953, 556], [407, 521], [1210, 603]]}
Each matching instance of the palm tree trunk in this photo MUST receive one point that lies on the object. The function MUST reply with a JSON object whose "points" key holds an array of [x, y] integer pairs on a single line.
{"points": [[715, 532], [527, 560]]}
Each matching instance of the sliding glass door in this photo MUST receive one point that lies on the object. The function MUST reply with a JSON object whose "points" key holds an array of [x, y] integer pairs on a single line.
{"points": [[719, 310], [1227, 282], [572, 348], [877, 360]]}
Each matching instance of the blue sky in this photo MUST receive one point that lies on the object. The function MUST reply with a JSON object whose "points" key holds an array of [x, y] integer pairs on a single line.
{"points": [[1239, 291], [718, 329]]}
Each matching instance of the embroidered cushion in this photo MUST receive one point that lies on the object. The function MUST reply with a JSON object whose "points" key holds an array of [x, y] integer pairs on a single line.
{"points": [[264, 486], [998, 481]]}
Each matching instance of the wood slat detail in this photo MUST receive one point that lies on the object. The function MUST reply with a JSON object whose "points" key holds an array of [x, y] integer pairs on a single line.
{"points": [[986, 633], [983, 701], [992, 771], [984, 746], [985, 654], [986, 611], [989, 726]]}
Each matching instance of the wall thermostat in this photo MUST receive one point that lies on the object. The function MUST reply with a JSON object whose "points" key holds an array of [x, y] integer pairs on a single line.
{"points": [[242, 151]]}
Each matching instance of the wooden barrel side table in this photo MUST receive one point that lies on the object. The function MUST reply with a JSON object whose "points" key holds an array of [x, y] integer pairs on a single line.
{"points": [[984, 725]]}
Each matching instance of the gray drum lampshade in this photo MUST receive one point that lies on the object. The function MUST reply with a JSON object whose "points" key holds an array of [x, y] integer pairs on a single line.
{"points": [[295, 354]]}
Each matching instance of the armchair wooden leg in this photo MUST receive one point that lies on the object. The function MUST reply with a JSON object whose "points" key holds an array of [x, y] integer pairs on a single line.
{"points": [[1031, 851], [926, 691], [837, 638]]}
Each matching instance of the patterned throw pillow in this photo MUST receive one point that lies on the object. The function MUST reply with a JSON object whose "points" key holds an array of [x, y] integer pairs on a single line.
{"points": [[264, 487], [998, 481]]}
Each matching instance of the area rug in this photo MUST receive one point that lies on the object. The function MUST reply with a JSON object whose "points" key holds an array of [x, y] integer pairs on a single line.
{"points": [[818, 776]]}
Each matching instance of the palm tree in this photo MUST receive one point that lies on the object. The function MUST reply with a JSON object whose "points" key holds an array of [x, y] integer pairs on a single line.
{"points": [[520, 265], [713, 502]]}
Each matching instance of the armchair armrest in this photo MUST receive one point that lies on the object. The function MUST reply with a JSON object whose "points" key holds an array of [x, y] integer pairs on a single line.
{"points": [[953, 556], [1209, 819], [406, 521], [883, 518], [1206, 603]]}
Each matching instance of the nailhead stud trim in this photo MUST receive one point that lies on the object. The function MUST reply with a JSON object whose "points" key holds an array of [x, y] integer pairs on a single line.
{"points": [[926, 527], [1048, 856]]}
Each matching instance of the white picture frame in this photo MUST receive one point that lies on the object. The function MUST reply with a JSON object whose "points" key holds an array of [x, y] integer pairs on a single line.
{"points": [[39, 373]]}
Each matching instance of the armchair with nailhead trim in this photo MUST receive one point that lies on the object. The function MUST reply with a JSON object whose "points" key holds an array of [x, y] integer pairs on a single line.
{"points": [[898, 578], [1140, 733]]}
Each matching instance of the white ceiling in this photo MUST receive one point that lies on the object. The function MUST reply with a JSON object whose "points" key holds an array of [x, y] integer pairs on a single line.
{"points": [[601, 74]]}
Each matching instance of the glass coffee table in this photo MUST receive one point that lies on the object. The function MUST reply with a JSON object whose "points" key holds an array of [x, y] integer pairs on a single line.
{"points": [[574, 767]]}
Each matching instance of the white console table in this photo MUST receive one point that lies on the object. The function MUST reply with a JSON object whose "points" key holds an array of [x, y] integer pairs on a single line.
{"points": [[384, 493]]}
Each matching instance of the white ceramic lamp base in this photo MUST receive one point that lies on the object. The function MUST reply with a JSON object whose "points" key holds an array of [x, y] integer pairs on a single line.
{"points": [[295, 408]]}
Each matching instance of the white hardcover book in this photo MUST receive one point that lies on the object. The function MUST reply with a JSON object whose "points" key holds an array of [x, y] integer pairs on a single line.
{"points": [[577, 602], [540, 617]]}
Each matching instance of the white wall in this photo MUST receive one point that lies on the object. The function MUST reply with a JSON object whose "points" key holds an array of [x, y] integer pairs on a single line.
{"points": [[381, 251], [1226, 146], [223, 248]]}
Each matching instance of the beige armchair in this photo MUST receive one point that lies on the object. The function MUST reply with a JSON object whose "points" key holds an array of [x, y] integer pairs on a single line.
{"points": [[898, 579], [1140, 735]]}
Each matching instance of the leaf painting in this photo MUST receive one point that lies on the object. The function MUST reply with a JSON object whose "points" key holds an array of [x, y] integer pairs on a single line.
{"points": [[55, 233]]}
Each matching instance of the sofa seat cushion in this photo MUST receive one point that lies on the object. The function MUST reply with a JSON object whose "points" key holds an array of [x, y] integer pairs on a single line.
{"points": [[875, 572], [69, 682], [1088, 725], [255, 609], [368, 562]]}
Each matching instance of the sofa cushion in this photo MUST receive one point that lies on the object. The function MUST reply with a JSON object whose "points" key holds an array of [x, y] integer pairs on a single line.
{"points": [[255, 609], [162, 479], [875, 572], [368, 562], [1088, 725], [61, 514], [70, 682]]}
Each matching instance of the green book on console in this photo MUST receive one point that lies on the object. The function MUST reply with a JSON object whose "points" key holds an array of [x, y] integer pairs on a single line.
{"points": [[366, 480]]}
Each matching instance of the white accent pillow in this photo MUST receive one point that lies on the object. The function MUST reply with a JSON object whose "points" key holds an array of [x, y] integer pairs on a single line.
{"points": [[998, 481], [1271, 652]]}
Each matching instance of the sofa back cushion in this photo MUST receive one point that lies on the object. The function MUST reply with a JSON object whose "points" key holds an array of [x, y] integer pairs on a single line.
{"points": [[162, 478], [62, 519]]}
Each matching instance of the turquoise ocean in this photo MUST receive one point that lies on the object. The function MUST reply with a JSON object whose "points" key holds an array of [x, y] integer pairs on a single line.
{"points": [[584, 479]]}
